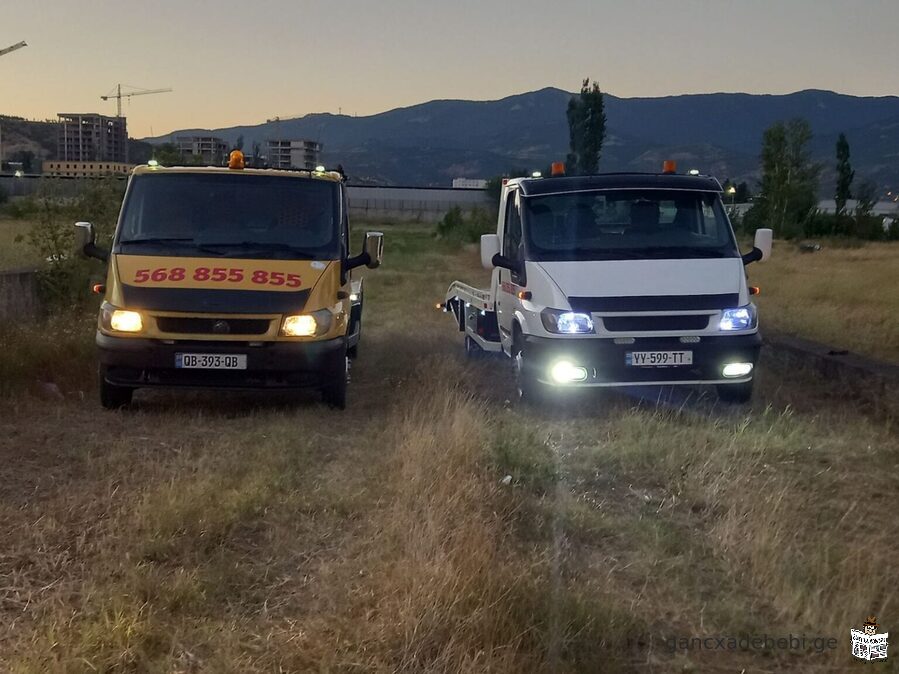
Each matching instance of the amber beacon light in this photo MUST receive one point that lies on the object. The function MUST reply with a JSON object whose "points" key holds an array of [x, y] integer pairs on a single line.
{"points": [[669, 166], [235, 160]]}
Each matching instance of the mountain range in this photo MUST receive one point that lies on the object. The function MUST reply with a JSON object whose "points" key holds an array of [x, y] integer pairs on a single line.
{"points": [[431, 143]]}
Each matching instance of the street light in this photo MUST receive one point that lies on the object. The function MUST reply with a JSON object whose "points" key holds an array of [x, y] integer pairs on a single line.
{"points": [[732, 191]]}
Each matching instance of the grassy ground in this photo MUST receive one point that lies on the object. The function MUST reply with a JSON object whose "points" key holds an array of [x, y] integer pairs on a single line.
{"points": [[845, 297], [15, 254], [433, 526]]}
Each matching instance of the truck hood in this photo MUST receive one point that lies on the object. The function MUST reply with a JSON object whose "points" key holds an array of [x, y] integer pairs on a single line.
{"points": [[229, 285], [722, 278]]}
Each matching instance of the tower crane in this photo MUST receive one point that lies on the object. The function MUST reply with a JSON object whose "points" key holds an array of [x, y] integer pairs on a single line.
{"points": [[18, 45], [118, 95]]}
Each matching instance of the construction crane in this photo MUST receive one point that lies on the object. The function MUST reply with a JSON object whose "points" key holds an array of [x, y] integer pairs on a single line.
{"points": [[118, 95], [19, 45]]}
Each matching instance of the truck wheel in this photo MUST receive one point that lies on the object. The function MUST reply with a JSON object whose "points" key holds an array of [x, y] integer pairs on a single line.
{"points": [[472, 348], [114, 397], [735, 393], [526, 385], [334, 391]]}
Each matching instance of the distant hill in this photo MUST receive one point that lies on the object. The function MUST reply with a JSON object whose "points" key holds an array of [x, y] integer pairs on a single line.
{"points": [[434, 142]]}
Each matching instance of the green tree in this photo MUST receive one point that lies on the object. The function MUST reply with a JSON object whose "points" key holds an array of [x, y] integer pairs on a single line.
{"points": [[867, 195], [789, 178], [587, 130], [845, 175], [167, 154]]}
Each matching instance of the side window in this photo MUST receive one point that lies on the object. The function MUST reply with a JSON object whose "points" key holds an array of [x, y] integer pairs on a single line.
{"points": [[512, 229]]}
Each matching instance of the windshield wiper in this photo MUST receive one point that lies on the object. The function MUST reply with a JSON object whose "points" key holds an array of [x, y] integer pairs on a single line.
{"points": [[183, 242], [158, 239], [260, 245]]}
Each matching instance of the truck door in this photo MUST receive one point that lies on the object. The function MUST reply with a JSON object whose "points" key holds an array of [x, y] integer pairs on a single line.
{"points": [[510, 282]]}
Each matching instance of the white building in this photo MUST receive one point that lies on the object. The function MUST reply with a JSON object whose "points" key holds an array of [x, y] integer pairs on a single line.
{"points": [[469, 184], [297, 154]]}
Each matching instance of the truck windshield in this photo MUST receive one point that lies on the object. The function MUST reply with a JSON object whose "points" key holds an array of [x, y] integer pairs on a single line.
{"points": [[627, 224], [232, 215]]}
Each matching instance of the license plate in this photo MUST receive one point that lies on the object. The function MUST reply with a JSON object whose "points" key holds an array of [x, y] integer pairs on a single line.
{"points": [[658, 358], [211, 361]]}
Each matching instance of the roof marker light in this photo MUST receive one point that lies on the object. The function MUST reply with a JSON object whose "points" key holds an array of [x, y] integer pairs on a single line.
{"points": [[669, 166], [320, 169], [536, 174], [152, 163], [558, 168], [694, 172]]}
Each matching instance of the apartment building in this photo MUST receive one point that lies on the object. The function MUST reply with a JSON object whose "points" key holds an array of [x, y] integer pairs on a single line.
{"points": [[91, 137], [211, 150], [297, 154]]}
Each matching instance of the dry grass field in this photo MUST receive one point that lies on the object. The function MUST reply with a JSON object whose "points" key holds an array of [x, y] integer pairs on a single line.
{"points": [[434, 526], [844, 297]]}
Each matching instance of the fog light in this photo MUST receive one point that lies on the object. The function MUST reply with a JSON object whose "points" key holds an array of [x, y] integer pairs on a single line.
{"points": [[565, 372], [737, 369]]}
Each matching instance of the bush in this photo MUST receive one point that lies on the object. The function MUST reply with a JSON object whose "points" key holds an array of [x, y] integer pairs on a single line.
{"points": [[65, 280], [860, 226], [465, 227]]}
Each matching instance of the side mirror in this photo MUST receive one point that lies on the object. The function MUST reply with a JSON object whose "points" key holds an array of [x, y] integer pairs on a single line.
{"points": [[761, 250], [489, 249], [374, 249], [86, 242], [372, 253]]}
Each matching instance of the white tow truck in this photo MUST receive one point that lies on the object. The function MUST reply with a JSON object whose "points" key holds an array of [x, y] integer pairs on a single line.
{"points": [[615, 280]]}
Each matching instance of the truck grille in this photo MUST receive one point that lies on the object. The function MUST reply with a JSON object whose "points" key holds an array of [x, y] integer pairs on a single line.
{"points": [[653, 323], [213, 326]]}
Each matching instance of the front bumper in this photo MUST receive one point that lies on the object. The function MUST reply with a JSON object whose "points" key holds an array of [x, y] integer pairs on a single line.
{"points": [[137, 362], [605, 361]]}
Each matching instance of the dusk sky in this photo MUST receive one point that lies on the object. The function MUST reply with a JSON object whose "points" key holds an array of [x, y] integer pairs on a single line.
{"points": [[236, 62]]}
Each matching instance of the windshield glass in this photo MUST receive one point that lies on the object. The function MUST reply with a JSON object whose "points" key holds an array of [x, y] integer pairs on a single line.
{"points": [[627, 224], [230, 214]]}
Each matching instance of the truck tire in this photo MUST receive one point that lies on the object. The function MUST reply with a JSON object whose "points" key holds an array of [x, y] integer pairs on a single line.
{"points": [[735, 393], [113, 397], [529, 390], [335, 389]]}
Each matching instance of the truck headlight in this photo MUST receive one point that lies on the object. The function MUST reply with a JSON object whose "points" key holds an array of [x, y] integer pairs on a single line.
{"points": [[120, 320], [566, 322], [307, 325], [741, 318]]}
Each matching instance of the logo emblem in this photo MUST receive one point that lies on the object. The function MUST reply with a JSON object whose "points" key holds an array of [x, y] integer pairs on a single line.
{"points": [[221, 328], [867, 644]]}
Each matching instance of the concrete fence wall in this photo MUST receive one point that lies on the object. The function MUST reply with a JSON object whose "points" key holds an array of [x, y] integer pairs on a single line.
{"points": [[18, 294], [411, 203]]}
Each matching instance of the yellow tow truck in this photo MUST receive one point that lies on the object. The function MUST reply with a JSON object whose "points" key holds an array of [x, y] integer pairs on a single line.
{"points": [[229, 278]]}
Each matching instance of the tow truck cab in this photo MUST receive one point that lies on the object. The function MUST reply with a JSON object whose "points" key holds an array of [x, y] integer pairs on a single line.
{"points": [[229, 278], [620, 280]]}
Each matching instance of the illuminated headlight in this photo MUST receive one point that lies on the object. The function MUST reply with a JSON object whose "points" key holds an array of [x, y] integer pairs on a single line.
{"points": [[565, 372], [566, 322], [736, 369], [741, 318], [307, 325], [120, 320]]}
